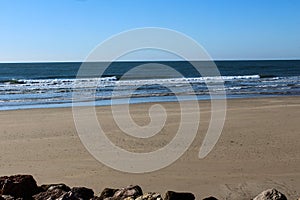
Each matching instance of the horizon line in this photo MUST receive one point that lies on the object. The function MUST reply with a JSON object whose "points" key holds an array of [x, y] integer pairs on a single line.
{"points": [[162, 60]]}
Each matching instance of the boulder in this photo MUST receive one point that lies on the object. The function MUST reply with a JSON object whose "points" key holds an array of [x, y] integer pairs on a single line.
{"points": [[107, 192], [18, 186], [150, 196], [171, 195], [129, 191], [79, 193], [270, 194], [50, 194]]}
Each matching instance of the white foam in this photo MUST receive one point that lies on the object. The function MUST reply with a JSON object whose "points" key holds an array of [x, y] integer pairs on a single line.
{"points": [[47, 84]]}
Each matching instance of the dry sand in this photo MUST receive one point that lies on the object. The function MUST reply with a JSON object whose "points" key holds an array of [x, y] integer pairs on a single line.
{"points": [[259, 148]]}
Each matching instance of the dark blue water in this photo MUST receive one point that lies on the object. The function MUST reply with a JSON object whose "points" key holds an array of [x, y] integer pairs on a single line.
{"points": [[30, 85], [279, 68]]}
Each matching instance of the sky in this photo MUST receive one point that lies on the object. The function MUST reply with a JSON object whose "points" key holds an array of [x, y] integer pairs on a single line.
{"points": [[68, 30]]}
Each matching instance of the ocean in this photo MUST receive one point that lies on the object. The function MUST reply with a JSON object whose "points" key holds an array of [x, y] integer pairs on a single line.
{"points": [[46, 85]]}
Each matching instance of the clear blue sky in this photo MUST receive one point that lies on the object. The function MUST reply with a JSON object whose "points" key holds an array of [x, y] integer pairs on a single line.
{"points": [[67, 30]]}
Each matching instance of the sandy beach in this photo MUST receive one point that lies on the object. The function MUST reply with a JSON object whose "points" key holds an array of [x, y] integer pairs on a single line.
{"points": [[259, 149]]}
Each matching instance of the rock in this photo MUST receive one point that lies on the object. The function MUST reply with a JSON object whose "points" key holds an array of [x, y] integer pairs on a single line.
{"points": [[210, 198], [79, 193], [150, 196], [50, 194], [129, 191], [171, 195], [60, 186], [18, 186], [270, 194], [107, 192]]}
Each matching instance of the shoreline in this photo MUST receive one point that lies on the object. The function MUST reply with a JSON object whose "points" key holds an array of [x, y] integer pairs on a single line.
{"points": [[259, 149], [106, 102]]}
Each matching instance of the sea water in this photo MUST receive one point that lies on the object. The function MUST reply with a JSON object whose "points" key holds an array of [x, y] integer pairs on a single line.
{"points": [[45, 85]]}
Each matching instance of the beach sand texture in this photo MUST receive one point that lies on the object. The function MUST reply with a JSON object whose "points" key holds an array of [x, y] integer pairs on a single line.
{"points": [[259, 149]]}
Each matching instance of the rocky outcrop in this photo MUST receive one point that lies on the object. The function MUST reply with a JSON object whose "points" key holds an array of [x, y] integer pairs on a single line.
{"points": [[24, 187], [171, 195], [270, 194]]}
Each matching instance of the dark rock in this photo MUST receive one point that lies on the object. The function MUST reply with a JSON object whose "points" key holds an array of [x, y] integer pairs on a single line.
{"points": [[50, 194], [18, 186], [171, 195], [60, 186], [270, 194], [210, 198], [107, 192], [79, 193], [129, 191]]}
